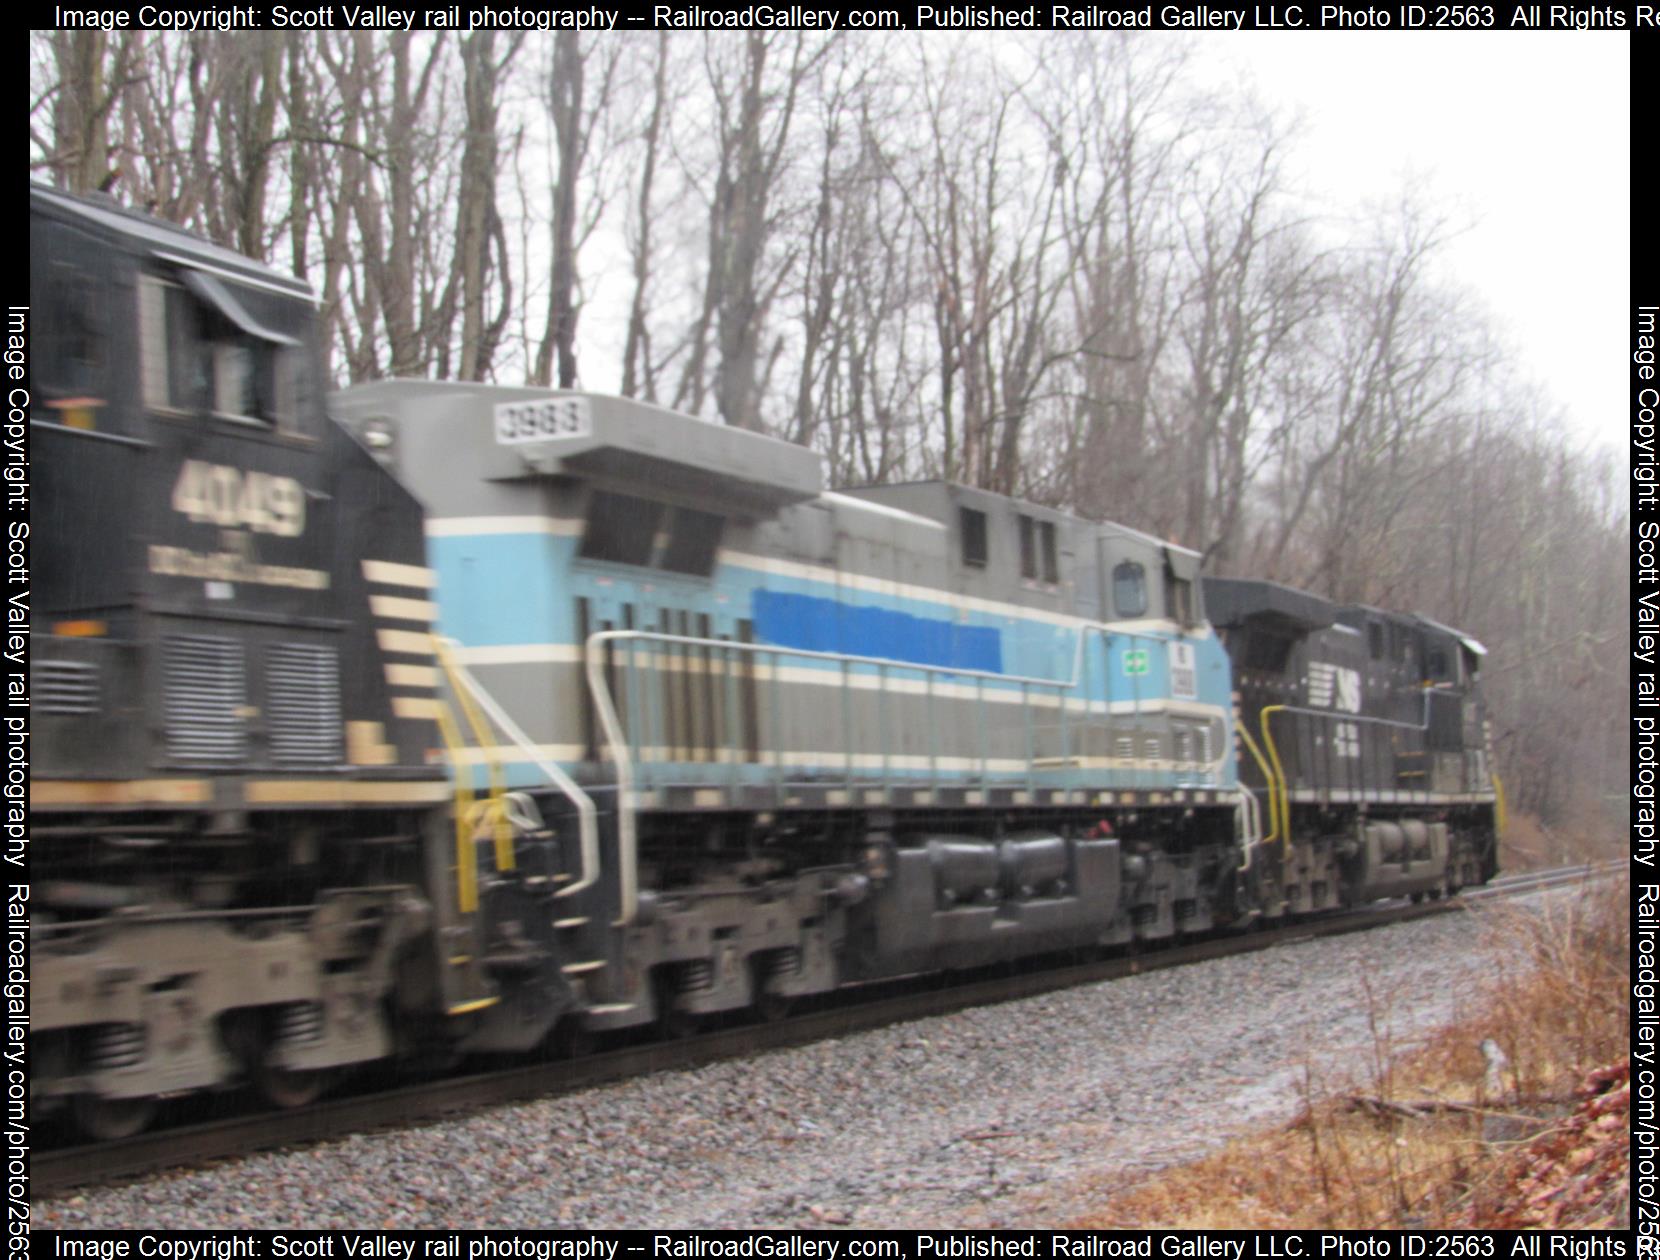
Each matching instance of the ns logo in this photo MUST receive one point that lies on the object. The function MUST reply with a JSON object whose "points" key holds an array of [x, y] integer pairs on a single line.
{"points": [[1333, 687]]}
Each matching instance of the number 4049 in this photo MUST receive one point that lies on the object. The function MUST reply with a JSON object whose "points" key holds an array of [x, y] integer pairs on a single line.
{"points": [[217, 494]]}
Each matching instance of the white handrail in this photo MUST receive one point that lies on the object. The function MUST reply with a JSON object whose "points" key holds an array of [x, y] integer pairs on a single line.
{"points": [[1250, 826], [587, 815], [616, 739]]}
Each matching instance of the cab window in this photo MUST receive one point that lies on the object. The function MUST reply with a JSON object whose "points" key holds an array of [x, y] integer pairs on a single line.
{"points": [[1178, 599], [1129, 589], [1039, 558], [76, 336], [624, 529], [203, 351], [976, 544]]}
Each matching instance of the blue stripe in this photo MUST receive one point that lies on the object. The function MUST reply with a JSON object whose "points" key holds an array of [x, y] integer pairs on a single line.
{"points": [[827, 625]]}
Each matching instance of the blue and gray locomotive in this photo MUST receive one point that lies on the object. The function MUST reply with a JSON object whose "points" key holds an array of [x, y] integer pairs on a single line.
{"points": [[489, 713]]}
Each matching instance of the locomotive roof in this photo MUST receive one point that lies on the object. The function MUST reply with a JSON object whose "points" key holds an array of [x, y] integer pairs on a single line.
{"points": [[1360, 612], [1232, 601], [1473, 645], [163, 240], [956, 490], [621, 441]]}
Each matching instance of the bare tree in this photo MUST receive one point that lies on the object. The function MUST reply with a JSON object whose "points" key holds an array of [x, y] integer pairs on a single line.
{"points": [[91, 69], [577, 104], [1116, 105], [755, 96], [639, 372], [1252, 281], [1389, 362], [480, 241]]}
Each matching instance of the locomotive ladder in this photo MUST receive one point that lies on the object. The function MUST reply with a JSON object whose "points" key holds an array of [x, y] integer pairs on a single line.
{"points": [[501, 814]]}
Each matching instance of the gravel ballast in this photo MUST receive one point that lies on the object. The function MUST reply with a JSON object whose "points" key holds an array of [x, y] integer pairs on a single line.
{"points": [[978, 1118]]}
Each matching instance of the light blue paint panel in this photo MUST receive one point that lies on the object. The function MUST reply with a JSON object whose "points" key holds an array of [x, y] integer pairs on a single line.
{"points": [[496, 589], [500, 589]]}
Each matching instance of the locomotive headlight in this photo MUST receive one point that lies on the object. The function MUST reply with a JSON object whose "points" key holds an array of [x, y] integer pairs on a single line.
{"points": [[378, 435]]}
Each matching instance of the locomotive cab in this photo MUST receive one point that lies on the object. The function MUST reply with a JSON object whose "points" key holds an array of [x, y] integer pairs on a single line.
{"points": [[231, 682]]}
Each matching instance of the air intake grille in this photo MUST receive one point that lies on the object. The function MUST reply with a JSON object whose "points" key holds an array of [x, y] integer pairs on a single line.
{"points": [[304, 705], [67, 687], [206, 689]]}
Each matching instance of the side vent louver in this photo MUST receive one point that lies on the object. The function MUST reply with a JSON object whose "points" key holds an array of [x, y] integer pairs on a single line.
{"points": [[304, 705], [206, 689], [64, 687]]}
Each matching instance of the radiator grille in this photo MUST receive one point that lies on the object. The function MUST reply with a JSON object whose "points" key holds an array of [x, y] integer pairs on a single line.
{"points": [[304, 705], [206, 689], [67, 687], [1180, 736]]}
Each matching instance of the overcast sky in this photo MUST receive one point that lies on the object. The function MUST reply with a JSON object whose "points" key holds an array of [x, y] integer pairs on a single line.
{"points": [[1523, 138]]}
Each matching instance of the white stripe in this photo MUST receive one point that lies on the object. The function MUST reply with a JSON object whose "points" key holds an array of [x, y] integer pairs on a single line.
{"points": [[411, 675], [777, 567], [396, 608], [1037, 697], [520, 654], [508, 753], [468, 526], [416, 707], [406, 642], [390, 574], [828, 759]]}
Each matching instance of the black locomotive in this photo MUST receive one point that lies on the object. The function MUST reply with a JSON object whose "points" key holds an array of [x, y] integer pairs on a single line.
{"points": [[1366, 742], [234, 798]]}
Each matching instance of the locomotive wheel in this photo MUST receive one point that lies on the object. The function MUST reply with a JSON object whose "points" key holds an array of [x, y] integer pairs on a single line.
{"points": [[111, 1119], [287, 1089], [769, 1005], [773, 1007], [674, 1022], [570, 1039]]}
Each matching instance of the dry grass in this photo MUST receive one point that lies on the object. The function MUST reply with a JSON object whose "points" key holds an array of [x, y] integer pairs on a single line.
{"points": [[1430, 1136], [1530, 845]]}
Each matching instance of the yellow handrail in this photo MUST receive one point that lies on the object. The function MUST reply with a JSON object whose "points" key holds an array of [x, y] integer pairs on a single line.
{"points": [[472, 815], [1501, 808], [494, 813], [1268, 778], [1279, 770], [466, 857]]}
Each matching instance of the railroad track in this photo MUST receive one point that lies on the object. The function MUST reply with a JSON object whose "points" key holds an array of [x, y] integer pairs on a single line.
{"points": [[55, 1171]]}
